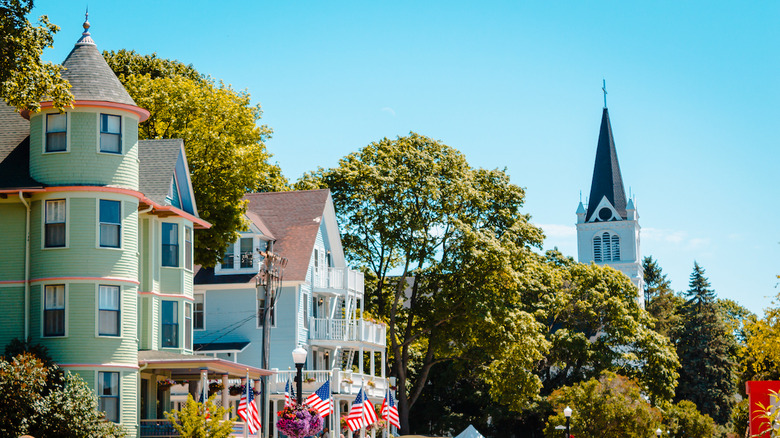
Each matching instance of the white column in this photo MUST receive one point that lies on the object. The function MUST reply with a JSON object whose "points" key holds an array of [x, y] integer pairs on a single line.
{"points": [[382, 371], [225, 393], [373, 364], [360, 361]]}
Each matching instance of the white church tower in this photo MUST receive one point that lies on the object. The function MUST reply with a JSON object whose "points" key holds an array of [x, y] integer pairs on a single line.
{"points": [[608, 227]]}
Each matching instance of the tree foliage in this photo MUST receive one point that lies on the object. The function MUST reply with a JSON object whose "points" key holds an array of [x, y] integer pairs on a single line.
{"points": [[683, 419], [594, 323], [44, 401], [225, 147], [444, 244], [706, 350], [610, 406], [25, 80], [762, 345], [660, 300], [192, 420]]}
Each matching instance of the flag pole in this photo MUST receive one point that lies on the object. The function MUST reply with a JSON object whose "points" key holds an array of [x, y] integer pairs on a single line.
{"points": [[246, 394]]}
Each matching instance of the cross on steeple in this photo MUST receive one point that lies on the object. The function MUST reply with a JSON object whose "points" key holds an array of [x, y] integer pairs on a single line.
{"points": [[604, 89]]}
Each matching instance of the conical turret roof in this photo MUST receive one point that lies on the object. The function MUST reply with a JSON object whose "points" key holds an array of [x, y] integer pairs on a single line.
{"points": [[90, 76], [607, 180]]}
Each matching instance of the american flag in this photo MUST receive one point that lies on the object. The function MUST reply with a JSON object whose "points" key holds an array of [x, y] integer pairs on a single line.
{"points": [[390, 410], [362, 413], [247, 409], [287, 400], [321, 400]]}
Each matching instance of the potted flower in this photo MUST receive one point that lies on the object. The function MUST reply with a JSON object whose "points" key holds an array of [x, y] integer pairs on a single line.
{"points": [[215, 387], [299, 421], [236, 389], [371, 384]]}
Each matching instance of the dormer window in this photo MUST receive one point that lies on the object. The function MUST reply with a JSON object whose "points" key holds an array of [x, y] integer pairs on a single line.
{"points": [[56, 132], [240, 256], [110, 133]]}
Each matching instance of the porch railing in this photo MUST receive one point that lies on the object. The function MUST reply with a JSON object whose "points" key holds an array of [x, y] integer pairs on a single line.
{"points": [[326, 329], [337, 278], [342, 382], [163, 429]]}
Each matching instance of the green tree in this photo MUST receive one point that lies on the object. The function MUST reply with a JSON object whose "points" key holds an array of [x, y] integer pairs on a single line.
{"points": [[192, 420], [762, 345], [683, 419], [43, 401], [610, 406], [25, 80], [444, 244], [706, 349], [225, 147], [660, 300], [594, 323]]}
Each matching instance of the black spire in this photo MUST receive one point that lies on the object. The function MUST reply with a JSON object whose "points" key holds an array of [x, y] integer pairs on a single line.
{"points": [[607, 180]]}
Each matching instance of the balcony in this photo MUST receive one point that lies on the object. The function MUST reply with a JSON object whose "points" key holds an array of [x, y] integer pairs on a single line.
{"points": [[342, 382], [336, 279], [338, 331]]}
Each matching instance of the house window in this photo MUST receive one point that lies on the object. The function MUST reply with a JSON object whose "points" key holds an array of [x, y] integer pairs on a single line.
{"points": [[170, 324], [110, 223], [108, 310], [108, 395], [246, 252], [170, 244], [56, 133], [261, 314], [110, 133], [197, 322], [228, 260], [54, 310], [188, 247], [55, 223], [188, 325]]}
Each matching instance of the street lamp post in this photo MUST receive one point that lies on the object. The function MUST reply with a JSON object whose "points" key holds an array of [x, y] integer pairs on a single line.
{"points": [[299, 357], [658, 432], [567, 413]]}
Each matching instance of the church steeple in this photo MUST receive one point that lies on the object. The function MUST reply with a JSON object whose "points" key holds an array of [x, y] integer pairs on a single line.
{"points": [[607, 180]]}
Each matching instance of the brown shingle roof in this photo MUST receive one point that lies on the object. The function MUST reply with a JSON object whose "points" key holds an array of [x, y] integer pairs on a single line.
{"points": [[294, 218]]}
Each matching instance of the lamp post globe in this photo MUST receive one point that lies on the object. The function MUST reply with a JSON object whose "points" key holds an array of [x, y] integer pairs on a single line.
{"points": [[658, 432], [299, 357], [567, 413]]}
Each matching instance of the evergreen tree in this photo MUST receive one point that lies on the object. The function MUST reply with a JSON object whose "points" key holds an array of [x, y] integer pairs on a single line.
{"points": [[660, 300], [704, 347]]}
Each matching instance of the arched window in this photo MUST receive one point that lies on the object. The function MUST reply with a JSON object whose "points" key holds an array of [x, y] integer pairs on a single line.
{"points": [[606, 247]]}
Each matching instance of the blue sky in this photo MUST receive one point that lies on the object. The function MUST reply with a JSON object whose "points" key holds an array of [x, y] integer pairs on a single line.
{"points": [[693, 98]]}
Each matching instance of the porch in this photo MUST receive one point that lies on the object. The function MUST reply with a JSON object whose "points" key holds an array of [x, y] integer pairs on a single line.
{"points": [[167, 378]]}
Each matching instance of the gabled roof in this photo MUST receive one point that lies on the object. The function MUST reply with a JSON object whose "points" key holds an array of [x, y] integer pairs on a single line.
{"points": [[161, 160], [90, 76], [607, 180], [294, 218], [14, 150]]}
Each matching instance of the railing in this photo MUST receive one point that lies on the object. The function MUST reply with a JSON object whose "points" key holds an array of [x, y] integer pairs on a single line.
{"points": [[337, 278], [164, 429], [342, 382], [325, 329]]}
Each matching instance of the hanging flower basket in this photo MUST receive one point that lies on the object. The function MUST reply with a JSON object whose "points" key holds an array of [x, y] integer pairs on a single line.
{"points": [[371, 384], [299, 421], [165, 384], [236, 389]]}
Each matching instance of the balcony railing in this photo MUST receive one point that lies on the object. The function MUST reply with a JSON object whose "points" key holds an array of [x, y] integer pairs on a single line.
{"points": [[325, 329], [342, 382], [337, 278]]}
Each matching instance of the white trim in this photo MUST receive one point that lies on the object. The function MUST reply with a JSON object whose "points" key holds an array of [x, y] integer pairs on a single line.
{"points": [[121, 152], [97, 312], [45, 130], [194, 303], [121, 224], [219, 270]]}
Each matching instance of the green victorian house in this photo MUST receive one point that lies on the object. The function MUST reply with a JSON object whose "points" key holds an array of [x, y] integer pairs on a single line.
{"points": [[96, 232]]}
